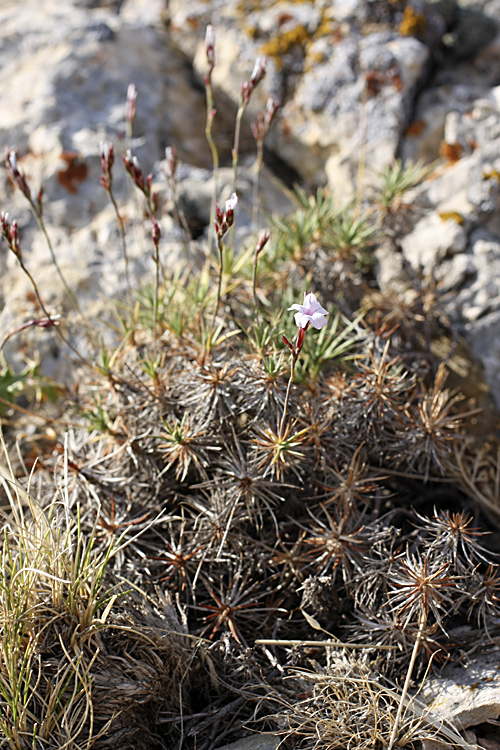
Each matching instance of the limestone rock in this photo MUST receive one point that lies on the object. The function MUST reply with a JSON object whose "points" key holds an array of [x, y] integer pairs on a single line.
{"points": [[433, 239], [465, 695], [338, 85]]}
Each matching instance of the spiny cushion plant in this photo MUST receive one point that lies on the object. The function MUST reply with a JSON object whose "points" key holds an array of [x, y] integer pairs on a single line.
{"points": [[262, 518]]}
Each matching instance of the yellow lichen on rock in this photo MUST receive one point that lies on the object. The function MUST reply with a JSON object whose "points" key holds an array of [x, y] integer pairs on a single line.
{"points": [[451, 216], [413, 23]]}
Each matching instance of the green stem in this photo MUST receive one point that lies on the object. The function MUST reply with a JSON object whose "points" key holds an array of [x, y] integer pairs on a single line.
{"points": [[215, 162], [256, 184], [121, 229], [43, 229], [35, 289], [287, 396], [47, 315], [254, 283], [235, 155], [157, 285], [235, 151], [220, 248]]}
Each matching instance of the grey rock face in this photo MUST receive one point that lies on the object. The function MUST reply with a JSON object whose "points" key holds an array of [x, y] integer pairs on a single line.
{"points": [[466, 695]]}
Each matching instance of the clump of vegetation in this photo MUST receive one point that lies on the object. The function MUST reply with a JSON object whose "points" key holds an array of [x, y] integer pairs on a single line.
{"points": [[256, 519]]}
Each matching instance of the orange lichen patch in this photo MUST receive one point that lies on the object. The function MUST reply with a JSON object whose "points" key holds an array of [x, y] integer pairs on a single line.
{"points": [[416, 128], [452, 152], [76, 171], [413, 23], [451, 216]]}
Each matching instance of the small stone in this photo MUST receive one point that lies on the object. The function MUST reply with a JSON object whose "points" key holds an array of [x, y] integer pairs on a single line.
{"points": [[255, 742]]}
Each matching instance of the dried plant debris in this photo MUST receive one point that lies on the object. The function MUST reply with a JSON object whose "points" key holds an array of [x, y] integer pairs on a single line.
{"points": [[86, 661]]}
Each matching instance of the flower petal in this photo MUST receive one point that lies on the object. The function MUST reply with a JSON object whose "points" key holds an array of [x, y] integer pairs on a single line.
{"points": [[318, 320], [301, 319]]}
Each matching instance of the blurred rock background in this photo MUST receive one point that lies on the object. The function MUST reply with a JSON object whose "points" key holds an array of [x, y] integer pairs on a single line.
{"points": [[359, 82]]}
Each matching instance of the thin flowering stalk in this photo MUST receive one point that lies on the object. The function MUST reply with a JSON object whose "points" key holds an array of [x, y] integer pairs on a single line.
{"points": [[260, 128], [11, 236], [263, 240], [224, 221], [9, 231], [107, 161], [310, 312], [420, 588], [156, 235], [37, 210], [49, 322], [258, 73], [130, 112], [169, 172], [211, 112]]}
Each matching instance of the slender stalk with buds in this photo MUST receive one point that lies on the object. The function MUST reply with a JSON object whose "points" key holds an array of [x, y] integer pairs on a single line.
{"points": [[9, 231], [224, 221], [143, 184], [11, 236], [263, 240], [211, 112], [37, 209], [247, 89], [107, 161], [260, 128], [156, 235]]}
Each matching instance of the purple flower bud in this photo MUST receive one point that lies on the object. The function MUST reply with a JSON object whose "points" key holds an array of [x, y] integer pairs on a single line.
{"points": [[171, 158], [107, 154], [259, 70], [218, 213], [231, 204], [210, 45], [156, 232], [134, 169], [272, 107], [263, 240], [258, 73], [15, 174], [39, 201]]}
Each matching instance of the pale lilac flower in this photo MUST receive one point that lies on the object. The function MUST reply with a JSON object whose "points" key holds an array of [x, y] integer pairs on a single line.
{"points": [[310, 312]]}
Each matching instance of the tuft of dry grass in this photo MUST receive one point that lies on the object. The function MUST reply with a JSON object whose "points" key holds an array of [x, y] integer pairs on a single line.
{"points": [[85, 660]]}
